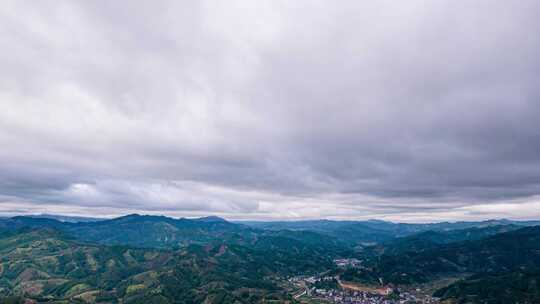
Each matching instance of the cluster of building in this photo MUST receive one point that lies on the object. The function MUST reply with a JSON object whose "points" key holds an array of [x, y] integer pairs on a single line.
{"points": [[302, 279], [344, 296], [331, 289], [344, 263], [349, 297]]}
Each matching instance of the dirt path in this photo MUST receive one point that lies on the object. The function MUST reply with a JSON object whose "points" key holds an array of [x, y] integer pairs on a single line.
{"points": [[359, 287]]}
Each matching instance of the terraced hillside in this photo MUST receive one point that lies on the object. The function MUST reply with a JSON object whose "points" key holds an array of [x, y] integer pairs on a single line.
{"points": [[45, 265]]}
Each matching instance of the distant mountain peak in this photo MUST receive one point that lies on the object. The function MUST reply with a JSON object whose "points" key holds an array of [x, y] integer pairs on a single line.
{"points": [[211, 218], [377, 221]]}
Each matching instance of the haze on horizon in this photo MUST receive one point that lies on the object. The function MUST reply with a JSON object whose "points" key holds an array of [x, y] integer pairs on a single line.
{"points": [[403, 111]]}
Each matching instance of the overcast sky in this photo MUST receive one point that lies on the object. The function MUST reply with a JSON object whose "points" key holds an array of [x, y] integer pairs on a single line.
{"points": [[397, 110]]}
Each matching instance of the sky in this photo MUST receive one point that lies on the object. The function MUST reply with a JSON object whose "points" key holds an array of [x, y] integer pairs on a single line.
{"points": [[410, 111]]}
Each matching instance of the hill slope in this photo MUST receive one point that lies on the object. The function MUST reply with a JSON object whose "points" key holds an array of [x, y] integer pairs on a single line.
{"points": [[44, 264], [375, 231], [522, 286], [496, 254], [432, 239]]}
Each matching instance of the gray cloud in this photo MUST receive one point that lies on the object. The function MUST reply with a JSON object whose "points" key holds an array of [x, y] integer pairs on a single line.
{"points": [[422, 110]]}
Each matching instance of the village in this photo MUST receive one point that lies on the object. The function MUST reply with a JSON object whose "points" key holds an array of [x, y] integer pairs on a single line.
{"points": [[330, 289]]}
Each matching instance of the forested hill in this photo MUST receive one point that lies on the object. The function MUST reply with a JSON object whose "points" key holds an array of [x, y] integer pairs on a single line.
{"points": [[500, 253], [164, 232], [518, 286], [157, 259], [373, 232], [433, 239], [43, 264]]}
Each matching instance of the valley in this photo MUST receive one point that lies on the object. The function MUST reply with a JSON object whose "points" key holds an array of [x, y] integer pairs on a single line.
{"points": [[149, 259]]}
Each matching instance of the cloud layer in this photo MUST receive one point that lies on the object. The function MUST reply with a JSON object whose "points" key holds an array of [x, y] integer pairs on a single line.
{"points": [[417, 111]]}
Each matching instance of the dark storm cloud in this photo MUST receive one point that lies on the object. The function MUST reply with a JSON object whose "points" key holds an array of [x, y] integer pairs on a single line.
{"points": [[422, 110]]}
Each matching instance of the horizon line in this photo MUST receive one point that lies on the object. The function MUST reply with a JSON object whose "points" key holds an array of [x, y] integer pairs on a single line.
{"points": [[112, 217]]}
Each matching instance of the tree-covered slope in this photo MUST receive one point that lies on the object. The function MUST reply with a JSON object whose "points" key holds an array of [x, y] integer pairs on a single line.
{"points": [[139, 231], [44, 263], [157, 231], [520, 286], [166, 233], [432, 239], [377, 232], [499, 253]]}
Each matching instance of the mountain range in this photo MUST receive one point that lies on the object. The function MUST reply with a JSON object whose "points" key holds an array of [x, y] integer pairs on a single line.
{"points": [[157, 259]]}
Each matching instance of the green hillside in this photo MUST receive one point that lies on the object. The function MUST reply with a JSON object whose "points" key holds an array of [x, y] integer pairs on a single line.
{"points": [[378, 232], [155, 259], [499, 253], [432, 239], [44, 265], [521, 286]]}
